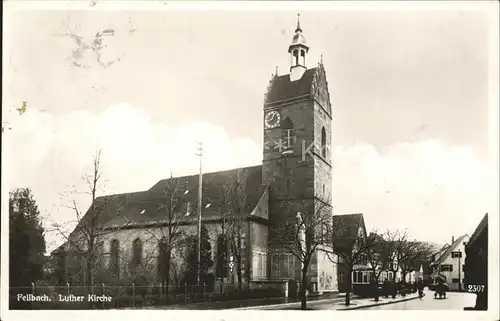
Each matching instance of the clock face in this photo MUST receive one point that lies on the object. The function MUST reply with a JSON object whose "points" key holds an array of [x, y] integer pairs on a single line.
{"points": [[272, 119]]}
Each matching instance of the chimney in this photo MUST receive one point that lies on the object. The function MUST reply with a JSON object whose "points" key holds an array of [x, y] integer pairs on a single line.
{"points": [[452, 239]]}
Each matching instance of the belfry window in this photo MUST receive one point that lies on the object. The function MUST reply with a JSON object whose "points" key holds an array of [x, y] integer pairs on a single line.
{"points": [[296, 57], [323, 142], [288, 137], [303, 57]]}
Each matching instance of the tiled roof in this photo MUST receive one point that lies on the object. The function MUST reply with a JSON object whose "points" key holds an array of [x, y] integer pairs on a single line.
{"points": [[346, 228], [147, 209], [107, 208], [450, 248], [281, 88]]}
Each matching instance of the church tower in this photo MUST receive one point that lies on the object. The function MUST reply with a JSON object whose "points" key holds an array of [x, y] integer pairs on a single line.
{"points": [[297, 163]]}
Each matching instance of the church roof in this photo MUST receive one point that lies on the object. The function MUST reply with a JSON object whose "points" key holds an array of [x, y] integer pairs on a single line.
{"points": [[147, 207], [281, 88], [107, 208]]}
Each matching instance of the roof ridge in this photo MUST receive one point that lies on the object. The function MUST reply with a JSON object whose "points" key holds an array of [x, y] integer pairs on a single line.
{"points": [[120, 194], [214, 172], [451, 247]]}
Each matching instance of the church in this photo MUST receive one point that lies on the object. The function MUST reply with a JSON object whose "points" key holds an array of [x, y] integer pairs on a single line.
{"points": [[296, 169]]}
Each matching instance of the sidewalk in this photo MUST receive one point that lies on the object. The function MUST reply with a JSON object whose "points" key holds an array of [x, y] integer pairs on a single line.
{"points": [[244, 304], [360, 303], [327, 301]]}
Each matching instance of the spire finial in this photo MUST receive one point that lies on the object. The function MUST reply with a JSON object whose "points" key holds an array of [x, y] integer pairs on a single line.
{"points": [[321, 59], [276, 71], [298, 23]]}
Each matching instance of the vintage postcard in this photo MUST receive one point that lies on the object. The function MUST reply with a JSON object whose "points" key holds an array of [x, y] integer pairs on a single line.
{"points": [[249, 158]]}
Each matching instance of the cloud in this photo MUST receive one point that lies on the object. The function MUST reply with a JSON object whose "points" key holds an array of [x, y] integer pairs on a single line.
{"points": [[51, 152], [431, 188]]}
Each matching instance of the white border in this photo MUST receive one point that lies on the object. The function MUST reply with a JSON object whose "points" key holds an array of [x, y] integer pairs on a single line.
{"points": [[492, 314]]}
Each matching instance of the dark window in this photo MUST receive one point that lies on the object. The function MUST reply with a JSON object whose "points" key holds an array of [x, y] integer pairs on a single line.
{"points": [[136, 254], [323, 142], [455, 280], [221, 267], [296, 56], [341, 277], [463, 267], [115, 257], [99, 251], [446, 268], [163, 260], [288, 138]]}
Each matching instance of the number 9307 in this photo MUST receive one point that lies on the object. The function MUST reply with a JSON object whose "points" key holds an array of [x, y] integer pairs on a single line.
{"points": [[475, 288]]}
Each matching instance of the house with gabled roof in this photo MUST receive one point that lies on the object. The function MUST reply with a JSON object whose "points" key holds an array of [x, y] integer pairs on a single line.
{"points": [[449, 265], [295, 173], [348, 229]]}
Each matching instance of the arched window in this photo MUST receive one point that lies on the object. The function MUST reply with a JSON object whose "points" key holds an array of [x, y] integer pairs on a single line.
{"points": [[163, 259], [221, 270], [323, 142], [99, 251], [296, 57], [288, 137], [136, 253], [303, 57], [115, 257]]}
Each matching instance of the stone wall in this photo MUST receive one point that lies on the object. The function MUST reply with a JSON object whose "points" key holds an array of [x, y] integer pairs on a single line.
{"points": [[150, 238]]}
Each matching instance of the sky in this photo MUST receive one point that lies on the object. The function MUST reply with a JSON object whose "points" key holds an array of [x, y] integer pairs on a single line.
{"points": [[409, 92]]}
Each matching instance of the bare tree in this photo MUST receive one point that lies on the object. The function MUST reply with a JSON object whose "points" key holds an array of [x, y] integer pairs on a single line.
{"points": [[411, 253], [83, 249], [81, 243], [169, 234], [350, 245], [303, 237], [234, 201], [379, 253]]}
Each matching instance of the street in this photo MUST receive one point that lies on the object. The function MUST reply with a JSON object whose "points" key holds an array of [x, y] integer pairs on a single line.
{"points": [[453, 301]]}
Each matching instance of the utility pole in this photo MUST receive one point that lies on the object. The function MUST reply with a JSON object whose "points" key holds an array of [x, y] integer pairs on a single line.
{"points": [[459, 271], [200, 197]]}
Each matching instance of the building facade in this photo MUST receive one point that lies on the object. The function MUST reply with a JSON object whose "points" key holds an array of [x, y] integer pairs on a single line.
{"points": [[450, 265], [476, 265], [244, 205]]}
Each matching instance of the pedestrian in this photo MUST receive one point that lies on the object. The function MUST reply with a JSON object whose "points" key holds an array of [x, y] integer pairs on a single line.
{"points": [[394, 289], [374, 287], [420, 287], [386, 288]]}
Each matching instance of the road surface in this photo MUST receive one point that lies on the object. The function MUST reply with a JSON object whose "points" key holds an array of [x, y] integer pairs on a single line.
{"points": [[453, 301]]}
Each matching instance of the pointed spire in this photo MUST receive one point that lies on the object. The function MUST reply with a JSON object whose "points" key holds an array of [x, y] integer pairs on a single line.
{"points": [[298, 23], [321, 59], [276, 71]]}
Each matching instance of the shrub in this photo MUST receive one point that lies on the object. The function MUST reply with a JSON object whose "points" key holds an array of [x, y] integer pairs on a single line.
{"points": [[154, 300], [128, 301]]}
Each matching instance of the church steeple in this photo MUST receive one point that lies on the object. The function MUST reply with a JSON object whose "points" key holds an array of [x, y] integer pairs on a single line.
{"points": [[298, 51]]}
